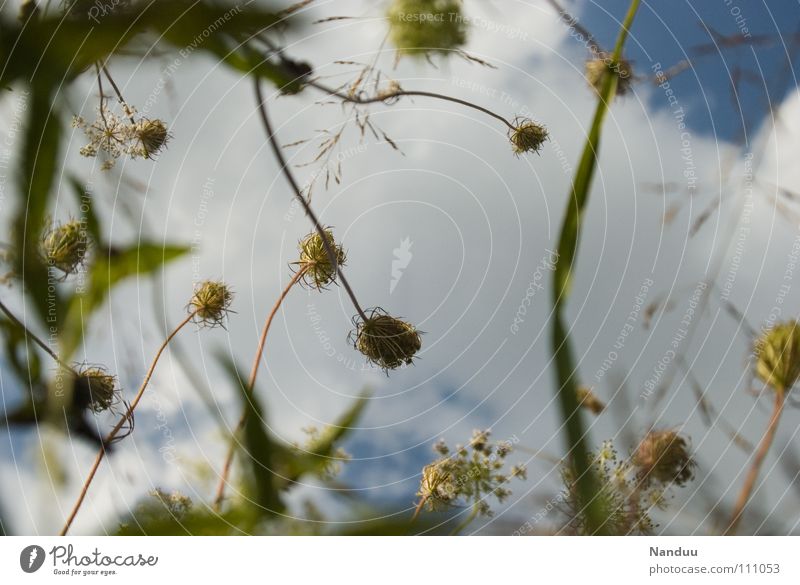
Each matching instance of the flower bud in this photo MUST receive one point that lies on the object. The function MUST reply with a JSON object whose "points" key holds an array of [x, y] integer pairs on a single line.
{"points": [[527, 136], [663, 456], [386, 341], [597, 69], [210, 303], [152, 135], [421, 27], [95, 388], [777, 354], [315, 261], [64, 246]]}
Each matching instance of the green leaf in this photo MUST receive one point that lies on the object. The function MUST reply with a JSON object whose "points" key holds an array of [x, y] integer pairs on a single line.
{"points": [[86, 205], [40, 154], [259, 447]]}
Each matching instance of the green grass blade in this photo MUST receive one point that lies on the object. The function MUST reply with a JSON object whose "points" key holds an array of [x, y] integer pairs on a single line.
{"points": [[562, 286]]}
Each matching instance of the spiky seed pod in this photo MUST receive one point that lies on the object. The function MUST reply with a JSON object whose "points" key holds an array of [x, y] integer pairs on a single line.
{"points": [[777, 354], [96, 389], [64, 246], [597, 69], [152, 135], [438, 487], [318, 272], [210, 303], [663, 456], [421, 27], [590, 401], [386, 341], [527, 136]]}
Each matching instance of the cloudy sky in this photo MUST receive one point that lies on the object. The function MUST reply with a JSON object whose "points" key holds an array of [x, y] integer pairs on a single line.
{"points": [[687, 216]]}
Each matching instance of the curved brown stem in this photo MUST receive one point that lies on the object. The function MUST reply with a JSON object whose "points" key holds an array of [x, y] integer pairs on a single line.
{"points": [[411, 93], [251, 383], [118, 427], [758, 460], [284, 167]]}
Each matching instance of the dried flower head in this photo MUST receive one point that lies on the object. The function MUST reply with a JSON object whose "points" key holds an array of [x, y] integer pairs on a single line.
{"points": [[469, 476], [777, 354], [527, 136], [663, 456], [152, 136], [598, 68], [318, 272], [95, 388], [421, 27], [114, 135], [64, 246], [210, 303], [387, 341], [589, 400]]}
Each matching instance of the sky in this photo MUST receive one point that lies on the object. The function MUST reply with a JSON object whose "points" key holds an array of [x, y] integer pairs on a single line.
{"points": [[455, 234]]}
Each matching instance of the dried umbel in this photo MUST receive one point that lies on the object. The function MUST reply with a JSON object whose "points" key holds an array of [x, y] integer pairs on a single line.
{"points": [[421, 27], [95, 388], [663, 456], [152, 135], [437, 487], [386, 341], [318, 272], [598, 68], [527, 136], [210, 303], [777, 354], [64, 246]]}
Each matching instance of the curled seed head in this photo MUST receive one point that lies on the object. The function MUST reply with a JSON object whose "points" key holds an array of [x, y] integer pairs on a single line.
{"points": [[589, 400], [152, 135], [597, 69], [527, 136], [96, 388], [210, 303], [318, 272], [421, 27], [777, 354], [64, 246], [663, 456], [386, 341]]}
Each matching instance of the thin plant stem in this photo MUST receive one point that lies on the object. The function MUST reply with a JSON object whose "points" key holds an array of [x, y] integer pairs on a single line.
{"points": [[411, 93], [467, 521], [284, 167], [758, 461], [116, 89], [28, 333], [101, 453], [251, 384]]}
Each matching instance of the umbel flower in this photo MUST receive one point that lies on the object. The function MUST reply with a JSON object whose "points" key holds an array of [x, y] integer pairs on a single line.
{"points": [[777, 354], [96, 388], [210, 303], [468, 476], [663, 456], [64, 246], [421, 27], [598, 68], [318, 272], [527, 136], [386, 341], [113, 136]]}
